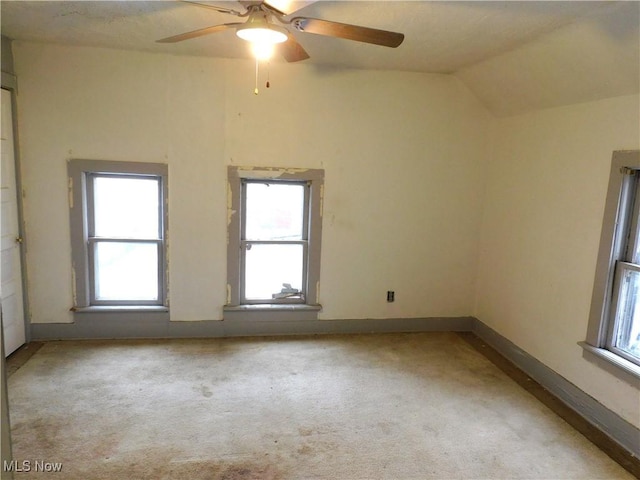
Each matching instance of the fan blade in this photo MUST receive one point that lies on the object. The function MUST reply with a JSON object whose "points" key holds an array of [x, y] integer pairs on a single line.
{"points": [[199, 33], [349, 32], [292, 51]]}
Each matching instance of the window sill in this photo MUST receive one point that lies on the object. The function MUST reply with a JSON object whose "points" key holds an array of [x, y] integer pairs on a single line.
{"points": [[273, 307], [621, 367], [120, 309], [272, 312]]}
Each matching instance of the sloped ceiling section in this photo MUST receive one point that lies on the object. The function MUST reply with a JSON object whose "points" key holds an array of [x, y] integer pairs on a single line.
{"points": [[516, 56], [595, 57]]}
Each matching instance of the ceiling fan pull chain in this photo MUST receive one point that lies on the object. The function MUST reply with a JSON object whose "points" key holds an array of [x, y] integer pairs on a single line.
{"points": [[268, 71], [255, 91]]}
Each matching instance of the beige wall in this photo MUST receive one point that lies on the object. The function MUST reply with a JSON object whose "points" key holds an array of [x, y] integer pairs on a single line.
{"points": [[403, 155], [547, 182]]}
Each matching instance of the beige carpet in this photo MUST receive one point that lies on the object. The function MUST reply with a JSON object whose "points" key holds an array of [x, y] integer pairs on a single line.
{"points": [[391, 406]]}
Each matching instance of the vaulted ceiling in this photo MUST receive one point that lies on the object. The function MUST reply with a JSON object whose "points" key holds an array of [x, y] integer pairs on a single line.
{"points": [[515, 56]]}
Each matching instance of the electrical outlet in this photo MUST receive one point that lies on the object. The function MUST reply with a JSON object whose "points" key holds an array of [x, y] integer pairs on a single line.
{"points": [[391, 296]]}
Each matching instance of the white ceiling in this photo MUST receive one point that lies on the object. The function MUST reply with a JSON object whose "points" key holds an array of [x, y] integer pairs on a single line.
{"points": [[515, 56]]}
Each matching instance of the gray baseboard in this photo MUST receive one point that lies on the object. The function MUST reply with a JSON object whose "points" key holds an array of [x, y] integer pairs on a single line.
{"points": [[608, 422], [150, 325]]}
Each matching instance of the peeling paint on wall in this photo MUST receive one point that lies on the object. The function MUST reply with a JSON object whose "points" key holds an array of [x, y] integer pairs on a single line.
{"points": [[270, 172], [230, 211], [228, 294], [70, 192]]}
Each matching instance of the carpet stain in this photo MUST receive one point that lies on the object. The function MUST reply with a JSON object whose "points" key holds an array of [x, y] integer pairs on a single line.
{"points": [[305, 450], [41, 432], [204, 391], [167, 464], [248, 472], [107, 447], [385, 427]]}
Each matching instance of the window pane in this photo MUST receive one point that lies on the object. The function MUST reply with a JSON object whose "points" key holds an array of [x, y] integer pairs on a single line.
{"points": [[268, 267], [628, 326], [274, 211], [126, 271], [126, 207], [635, 258]]}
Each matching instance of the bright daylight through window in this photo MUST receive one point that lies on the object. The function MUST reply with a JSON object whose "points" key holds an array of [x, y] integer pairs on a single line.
{"points": [[124, 237], [274, 240]]}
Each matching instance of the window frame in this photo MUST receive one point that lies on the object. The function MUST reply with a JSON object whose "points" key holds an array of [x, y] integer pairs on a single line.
{"points": [[314, 181], [245, 242], [83, 241], [619, 232]]}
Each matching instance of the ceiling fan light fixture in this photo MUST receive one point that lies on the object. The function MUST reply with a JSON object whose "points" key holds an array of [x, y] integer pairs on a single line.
{"points": [[262, 34]]}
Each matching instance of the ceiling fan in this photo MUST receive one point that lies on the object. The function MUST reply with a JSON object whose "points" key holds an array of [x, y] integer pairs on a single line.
{"points": [[267, 25]]}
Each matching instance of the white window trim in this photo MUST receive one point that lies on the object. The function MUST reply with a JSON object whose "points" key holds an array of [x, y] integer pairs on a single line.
{"points": [[315, 179], [597, 342], [79, 171]]}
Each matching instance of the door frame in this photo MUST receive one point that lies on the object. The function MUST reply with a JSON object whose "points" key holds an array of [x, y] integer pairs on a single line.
{"points": [[10, 83]]}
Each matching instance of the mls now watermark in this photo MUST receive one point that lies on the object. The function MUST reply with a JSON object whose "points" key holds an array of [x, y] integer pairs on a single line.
{"points": [[31, 466]]}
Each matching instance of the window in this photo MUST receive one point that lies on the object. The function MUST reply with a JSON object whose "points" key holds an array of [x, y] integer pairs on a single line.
{"points": [[274, 236], [118, 221], [614, 324], [274, 241], [624, 323]]}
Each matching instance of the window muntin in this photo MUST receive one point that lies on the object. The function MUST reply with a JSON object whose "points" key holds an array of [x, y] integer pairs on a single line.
{"points": [[274, 241]]}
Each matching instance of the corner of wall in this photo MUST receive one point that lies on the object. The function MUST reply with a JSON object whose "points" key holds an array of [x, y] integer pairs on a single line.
{"points": [[490, 121], [7, 55]]}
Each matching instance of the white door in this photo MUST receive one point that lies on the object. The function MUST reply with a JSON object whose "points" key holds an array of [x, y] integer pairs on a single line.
{"points": [[10, 264]]}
